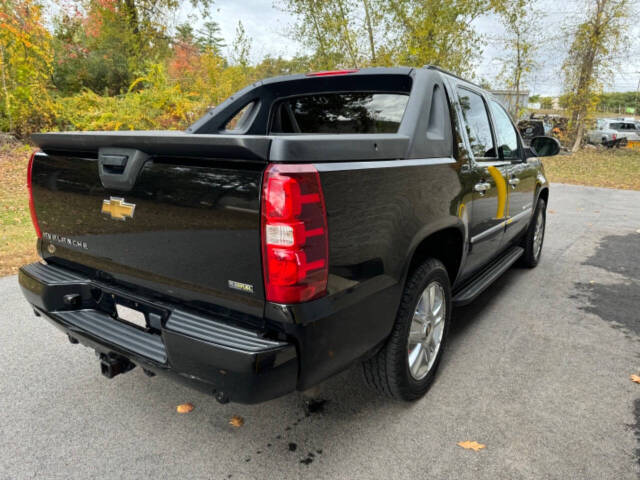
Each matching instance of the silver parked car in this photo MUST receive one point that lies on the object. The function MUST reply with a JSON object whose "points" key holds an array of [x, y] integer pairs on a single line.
{"points": [[609, 130]]}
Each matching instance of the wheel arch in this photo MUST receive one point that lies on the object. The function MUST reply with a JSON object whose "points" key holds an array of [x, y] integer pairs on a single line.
{"points": [[543, 193], [445, 244]]}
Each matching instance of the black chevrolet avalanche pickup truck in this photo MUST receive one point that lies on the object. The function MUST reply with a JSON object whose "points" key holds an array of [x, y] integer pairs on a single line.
{"points": [[307, 223]]}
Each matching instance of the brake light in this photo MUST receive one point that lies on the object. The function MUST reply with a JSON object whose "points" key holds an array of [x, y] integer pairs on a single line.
{"points": [[329, 73], [295, 241], [32, 208]]}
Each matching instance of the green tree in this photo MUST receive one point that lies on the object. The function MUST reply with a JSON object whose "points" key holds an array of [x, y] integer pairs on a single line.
{"points": [[104, 45], [142, 14], [272, 67], [520, 22], [326, 28], [371, 21], [26, 60], [595, 43], [185, 33], [486, 84], [210, 38], [438, 32], [354, 33], [96, 50], [546, 103], [241, 47], [618, 102]]}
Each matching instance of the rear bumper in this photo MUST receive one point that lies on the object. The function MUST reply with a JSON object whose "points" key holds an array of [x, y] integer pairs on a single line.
{"points": [[204, 352]]}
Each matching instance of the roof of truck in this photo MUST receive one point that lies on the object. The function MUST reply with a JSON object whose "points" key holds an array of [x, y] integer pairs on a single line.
{"points": [[451, 74]]}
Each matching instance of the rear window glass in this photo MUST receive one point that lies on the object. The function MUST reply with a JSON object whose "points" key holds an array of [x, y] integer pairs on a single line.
{"points": [[352, 112]]}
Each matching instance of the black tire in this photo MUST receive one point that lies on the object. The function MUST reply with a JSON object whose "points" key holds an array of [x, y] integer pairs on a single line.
{"points": [[388, 371], [531, 255]]}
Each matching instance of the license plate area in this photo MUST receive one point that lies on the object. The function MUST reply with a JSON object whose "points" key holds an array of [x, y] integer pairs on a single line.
{"points": [[133, 311], [132, 316]]}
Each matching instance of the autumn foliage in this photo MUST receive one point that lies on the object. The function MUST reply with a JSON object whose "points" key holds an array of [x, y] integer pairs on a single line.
{"points": [[26, 62], [107, 65], [116, 64]]}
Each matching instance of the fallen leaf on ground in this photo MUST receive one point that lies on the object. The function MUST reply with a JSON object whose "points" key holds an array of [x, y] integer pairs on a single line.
{"points": [[551, 211], [468, 445], [635, 378], [236, 421], [185, 408]]}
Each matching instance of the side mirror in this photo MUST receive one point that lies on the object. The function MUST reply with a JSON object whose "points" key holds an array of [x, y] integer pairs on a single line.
{"points": [[544, 146]]}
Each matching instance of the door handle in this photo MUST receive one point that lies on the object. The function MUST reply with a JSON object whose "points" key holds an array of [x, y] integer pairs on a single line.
{"points": [[514, 181], [482, 187]]}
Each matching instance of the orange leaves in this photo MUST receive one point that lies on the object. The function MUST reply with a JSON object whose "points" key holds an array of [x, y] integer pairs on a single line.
{"points": [[17, 34], [185, 408], [186, 58], [23, 22], [26, 66], [635, 378], [469, 445], [236, 421]]}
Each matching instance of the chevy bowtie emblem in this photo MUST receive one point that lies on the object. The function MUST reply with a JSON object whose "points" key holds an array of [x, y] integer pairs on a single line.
{"points": [[118, 208]]}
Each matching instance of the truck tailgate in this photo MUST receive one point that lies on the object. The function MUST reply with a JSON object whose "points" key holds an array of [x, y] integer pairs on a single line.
{"points": [[188, 227]]}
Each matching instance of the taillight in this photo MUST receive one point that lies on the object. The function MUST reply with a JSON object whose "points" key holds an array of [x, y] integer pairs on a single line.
{"points": [[295, 241], [32, 208], [331, 73]]}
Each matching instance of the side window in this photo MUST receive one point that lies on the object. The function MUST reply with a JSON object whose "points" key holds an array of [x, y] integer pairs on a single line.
{"points": [[476, 122], [505, 132], [239, 120]]}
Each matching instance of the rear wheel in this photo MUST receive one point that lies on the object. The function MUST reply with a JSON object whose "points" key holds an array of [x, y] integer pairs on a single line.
{"points": [[534, 238], [406, 366]]}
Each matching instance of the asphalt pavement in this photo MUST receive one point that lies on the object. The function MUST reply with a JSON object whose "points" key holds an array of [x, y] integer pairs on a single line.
{"points": [[537, 369]]}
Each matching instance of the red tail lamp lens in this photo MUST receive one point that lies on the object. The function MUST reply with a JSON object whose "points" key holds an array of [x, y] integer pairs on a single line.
{"points": [[294, 234], [330, 73], [32, 208]]}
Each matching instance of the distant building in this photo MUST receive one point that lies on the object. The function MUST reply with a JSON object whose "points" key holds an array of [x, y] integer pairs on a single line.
{"points": [[508, 98]]}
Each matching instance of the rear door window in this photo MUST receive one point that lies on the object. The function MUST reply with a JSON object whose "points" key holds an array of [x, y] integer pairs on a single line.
{"points": [[476, 121], [349, 112]]}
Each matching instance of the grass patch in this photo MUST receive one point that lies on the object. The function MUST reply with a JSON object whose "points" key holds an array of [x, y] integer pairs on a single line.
{"points": [[612, 168], [17, 236]]}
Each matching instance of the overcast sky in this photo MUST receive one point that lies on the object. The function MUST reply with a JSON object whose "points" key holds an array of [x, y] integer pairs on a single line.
{"points": [[267, 26]]}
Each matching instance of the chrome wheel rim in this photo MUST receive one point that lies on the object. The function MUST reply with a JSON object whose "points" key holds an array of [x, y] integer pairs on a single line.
{"points": [[538, 234], [425, 332]]}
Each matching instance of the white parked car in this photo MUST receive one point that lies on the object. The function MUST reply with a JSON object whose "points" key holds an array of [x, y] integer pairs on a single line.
{"points": [[609, 130]]}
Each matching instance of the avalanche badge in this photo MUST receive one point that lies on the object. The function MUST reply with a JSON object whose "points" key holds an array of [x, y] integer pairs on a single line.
{"points": [[117, 208]]}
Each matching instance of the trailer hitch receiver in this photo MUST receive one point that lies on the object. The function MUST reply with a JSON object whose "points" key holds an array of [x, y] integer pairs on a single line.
{"points": [[112, 365]]}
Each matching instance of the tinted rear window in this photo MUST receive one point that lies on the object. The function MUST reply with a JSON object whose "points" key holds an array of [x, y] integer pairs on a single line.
{"points": [[353, 112], [623, 126]]}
